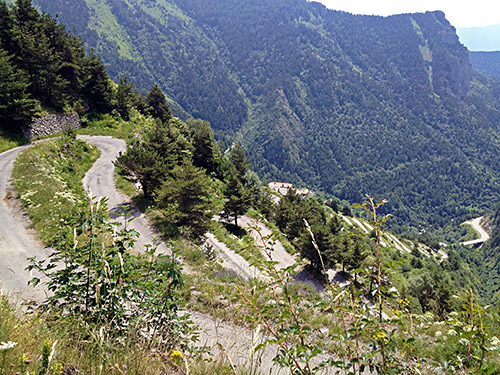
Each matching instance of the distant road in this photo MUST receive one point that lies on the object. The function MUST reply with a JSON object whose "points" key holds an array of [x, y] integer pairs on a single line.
{"points": [[483, 236]]}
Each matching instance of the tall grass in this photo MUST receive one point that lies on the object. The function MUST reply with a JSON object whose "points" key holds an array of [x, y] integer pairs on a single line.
{"points": [[47, 178]]}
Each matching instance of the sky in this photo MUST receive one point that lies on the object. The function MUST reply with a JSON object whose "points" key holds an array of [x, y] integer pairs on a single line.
{"points": [[460, 13]]}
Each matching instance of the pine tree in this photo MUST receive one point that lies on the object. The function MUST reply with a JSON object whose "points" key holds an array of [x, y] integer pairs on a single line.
{"points": [[123, 95], [6, 25], [238, 198], [151, 158], [184, 200], [239, 160], [204, 154], [97, 85], [16, 106], [157, 104]]}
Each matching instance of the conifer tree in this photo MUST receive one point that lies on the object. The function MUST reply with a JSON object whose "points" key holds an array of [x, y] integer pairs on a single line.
{"points": [[238, 198], [184, 200], [6, 24], [97, 85], [151, 158], [204, 154], [157, 104], [123, 95], [239, 160], [16, 105]]}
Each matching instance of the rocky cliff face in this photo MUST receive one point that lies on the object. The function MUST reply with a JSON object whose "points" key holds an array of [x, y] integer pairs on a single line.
{"points": [[451, 69]]}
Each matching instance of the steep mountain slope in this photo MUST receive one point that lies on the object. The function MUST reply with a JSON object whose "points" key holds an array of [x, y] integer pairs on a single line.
{"points": [[343, 103], [487, 63], [155, 42]]}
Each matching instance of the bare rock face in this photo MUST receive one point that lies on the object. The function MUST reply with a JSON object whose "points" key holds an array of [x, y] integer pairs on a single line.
{"points": [[451, 69]]}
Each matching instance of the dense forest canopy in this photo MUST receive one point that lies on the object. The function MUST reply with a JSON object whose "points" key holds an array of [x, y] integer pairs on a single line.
{"points": [[45, 67], [487, 63], [342, 103]]}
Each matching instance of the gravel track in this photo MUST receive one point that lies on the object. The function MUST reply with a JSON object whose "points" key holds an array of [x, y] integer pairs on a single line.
{"points": [[17, 241], [226, 341], [100, 181], [278, 252]]}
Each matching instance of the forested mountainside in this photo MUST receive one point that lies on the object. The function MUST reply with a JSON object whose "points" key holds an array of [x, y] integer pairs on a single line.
{"points": [[487, 63], [342, 103], [43, 66]]}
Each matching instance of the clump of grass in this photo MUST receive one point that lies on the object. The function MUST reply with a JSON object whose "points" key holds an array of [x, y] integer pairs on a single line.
{"points": [[105, 124], [237, 239], [10, 140]]}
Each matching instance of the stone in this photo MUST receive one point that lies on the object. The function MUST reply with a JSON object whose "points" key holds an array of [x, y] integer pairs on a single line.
{"points": [[52, 124]]}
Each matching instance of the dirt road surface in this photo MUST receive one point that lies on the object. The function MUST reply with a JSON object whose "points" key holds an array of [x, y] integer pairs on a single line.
{"points": [[17, 241], [232, 260], [227, 342], [100, 181], [278, 252]]}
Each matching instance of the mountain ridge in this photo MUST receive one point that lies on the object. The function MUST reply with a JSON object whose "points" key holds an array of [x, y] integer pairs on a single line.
{"points": [[339, 102]]}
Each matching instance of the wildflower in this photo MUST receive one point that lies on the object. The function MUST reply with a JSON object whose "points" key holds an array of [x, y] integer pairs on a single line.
{"points": [[495, 341], [404, 301], [176, 355], [463, 341], [7, 345], [25, 360], [57, 368], [397, 312]]}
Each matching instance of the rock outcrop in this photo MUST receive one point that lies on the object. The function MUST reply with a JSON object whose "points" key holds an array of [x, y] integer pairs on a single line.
{"points": [[52, 124], [451, 69]]}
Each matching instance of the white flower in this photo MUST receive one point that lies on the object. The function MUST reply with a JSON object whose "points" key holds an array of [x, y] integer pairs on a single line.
{"points": [[7, 345], [463, 341], [495, 341]]}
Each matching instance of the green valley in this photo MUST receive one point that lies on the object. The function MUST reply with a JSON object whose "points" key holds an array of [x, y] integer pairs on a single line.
{"points": [[333, 101], [147, 240]]}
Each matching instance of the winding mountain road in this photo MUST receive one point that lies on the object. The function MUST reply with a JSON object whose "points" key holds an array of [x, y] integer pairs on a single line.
{"points": [[483, 235], [100, 181], [17, 241]]}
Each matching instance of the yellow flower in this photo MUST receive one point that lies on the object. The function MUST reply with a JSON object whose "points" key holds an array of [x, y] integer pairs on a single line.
{"points": [[176, 355]]}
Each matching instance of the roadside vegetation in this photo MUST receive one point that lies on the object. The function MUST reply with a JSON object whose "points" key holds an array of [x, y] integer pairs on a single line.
{"points": [[47, 179], [111, 312], [338, 327]]}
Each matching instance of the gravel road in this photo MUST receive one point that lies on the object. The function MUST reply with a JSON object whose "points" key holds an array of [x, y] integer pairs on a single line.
{"points": [[232, 260], [278, 252], [100, 181], [17, 241]]}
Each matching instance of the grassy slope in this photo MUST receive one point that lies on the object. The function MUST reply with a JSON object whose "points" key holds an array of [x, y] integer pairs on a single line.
{"points": [[8, 140], [54, 188]]}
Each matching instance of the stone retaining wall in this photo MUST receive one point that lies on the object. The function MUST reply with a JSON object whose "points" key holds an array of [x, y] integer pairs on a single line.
{"points": [[52, 124]]}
